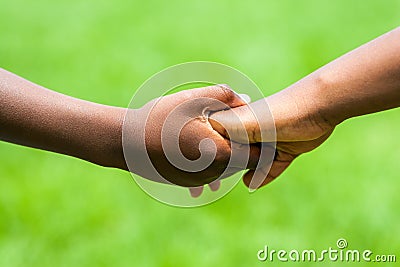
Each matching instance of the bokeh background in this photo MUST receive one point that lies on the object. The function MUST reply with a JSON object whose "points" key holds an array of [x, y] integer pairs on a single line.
{"points": [[60, 211]]}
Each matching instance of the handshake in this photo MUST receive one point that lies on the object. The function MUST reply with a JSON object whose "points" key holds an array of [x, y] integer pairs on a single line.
{"points": [[192, 138], [199, 136]]}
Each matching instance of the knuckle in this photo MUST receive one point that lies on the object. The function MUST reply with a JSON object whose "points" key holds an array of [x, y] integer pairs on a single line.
{"points": [[227, 92]]}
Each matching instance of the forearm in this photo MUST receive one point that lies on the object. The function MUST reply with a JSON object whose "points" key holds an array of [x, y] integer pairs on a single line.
{"points": [[33, 116], [363, 81]]}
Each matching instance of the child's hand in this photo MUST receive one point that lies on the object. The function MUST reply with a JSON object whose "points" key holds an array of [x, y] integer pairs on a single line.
{"points": [[170, 139]]}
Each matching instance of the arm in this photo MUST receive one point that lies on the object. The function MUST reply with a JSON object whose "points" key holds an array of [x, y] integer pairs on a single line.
{"points": [[34, 116], [366, 80], [363, 81]]}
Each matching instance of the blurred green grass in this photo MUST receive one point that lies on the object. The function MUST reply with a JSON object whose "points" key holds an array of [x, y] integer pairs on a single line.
{"points": [[60, 211]]}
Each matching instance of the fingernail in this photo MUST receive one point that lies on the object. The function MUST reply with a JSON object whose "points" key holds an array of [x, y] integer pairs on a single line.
{"points": [[196, 191], [214, 186], [252, 190], [245, 98]]}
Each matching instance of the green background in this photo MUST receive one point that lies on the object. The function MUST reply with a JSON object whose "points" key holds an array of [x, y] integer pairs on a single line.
{"points": [[60, 211]]}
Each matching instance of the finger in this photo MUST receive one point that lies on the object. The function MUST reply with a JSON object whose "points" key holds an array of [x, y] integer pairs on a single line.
{"points": [[244, 156], [229, 172], [253, 182], [253, 155], [246, 98], [238, 124], [196, 191], [264, 165], [251, 123], [221, 92], [214, 186], [248, 177], [261, 154]]}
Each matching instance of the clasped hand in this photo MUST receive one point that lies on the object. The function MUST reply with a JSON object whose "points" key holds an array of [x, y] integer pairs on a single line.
{"points": [[190, 137]]}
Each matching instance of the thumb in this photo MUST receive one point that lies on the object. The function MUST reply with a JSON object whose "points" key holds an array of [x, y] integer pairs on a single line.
{"points": [[250, 123], [230, 124]]}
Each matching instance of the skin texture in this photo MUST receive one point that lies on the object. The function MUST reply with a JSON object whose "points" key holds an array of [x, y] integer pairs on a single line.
{"points": [[181, 118], [363, 81], [34, 116]]}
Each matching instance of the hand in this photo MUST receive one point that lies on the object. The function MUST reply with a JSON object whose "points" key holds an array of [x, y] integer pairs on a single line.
{"points": [[298, 130], [147, 141], [156, 134], [363, 81]]}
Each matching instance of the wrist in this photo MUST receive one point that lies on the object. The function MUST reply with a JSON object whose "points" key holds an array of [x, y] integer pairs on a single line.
{"points": [[327, 111], [108, 150], [300, 107]]}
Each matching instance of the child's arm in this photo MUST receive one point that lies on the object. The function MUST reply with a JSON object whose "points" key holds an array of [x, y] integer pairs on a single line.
{"points": [[363, 81], [34, 116]]}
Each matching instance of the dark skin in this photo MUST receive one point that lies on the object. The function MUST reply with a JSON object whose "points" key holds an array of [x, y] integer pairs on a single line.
{"points": [[34, 116], [363, 81]]}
